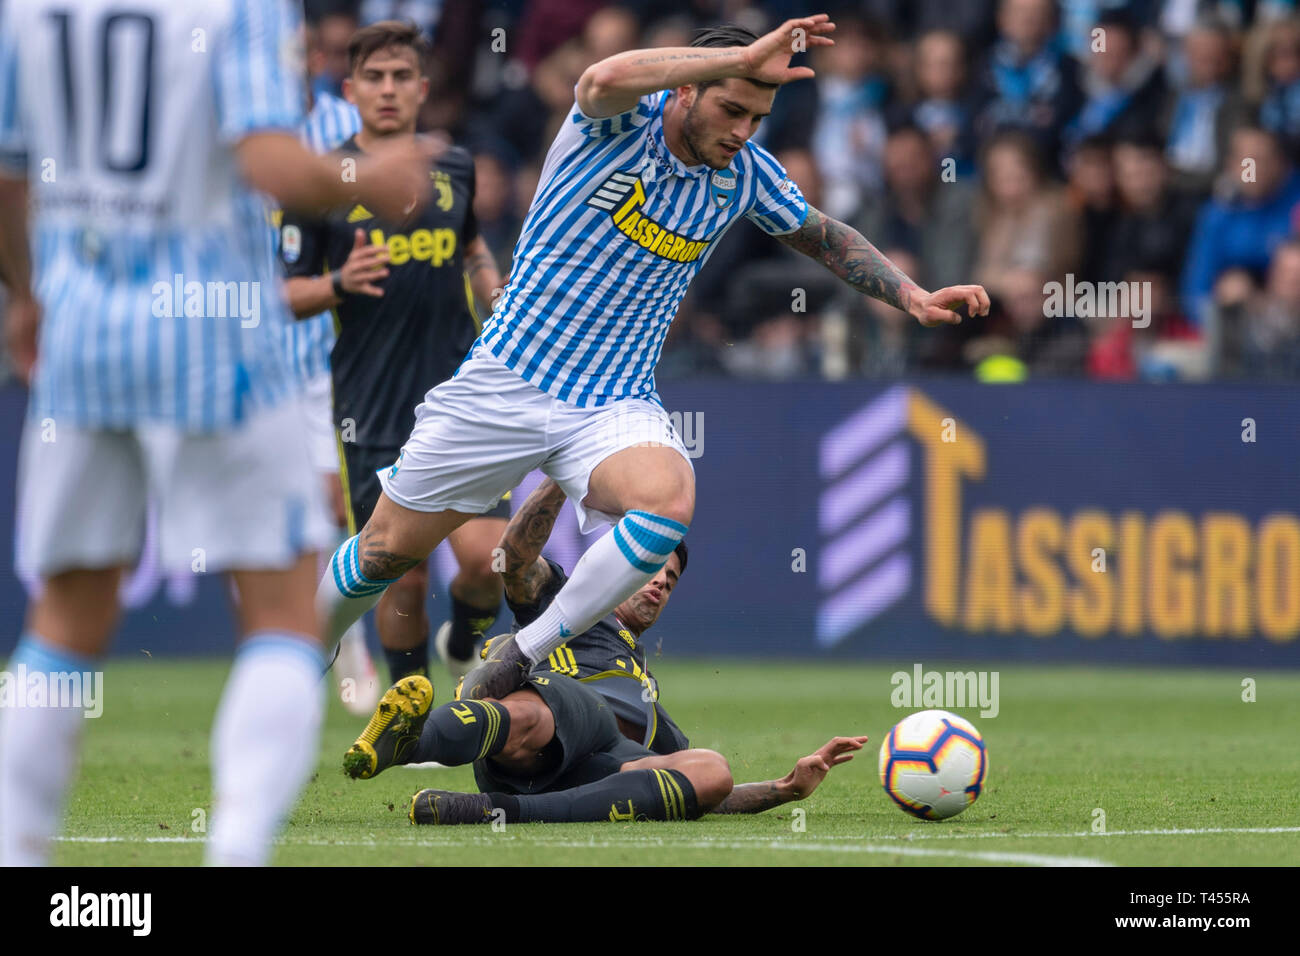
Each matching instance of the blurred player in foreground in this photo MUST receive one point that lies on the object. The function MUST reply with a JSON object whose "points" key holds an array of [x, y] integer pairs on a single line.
{"points": [[651, 167], [404, 317], [151, 341]]}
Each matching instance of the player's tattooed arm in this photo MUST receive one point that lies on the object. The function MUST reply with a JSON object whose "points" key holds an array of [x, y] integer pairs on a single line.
{"points": [[806, 776], [526, 571], [482, 272], [848, 254]]}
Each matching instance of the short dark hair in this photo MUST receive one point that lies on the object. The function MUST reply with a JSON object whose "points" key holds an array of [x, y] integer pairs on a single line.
{"points": [[682, 554], [368, 41], [726, 35]]}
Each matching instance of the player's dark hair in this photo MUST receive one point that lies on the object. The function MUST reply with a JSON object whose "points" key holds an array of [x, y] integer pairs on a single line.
{"points": [[681, 553], [726, 35], [370, 40]]}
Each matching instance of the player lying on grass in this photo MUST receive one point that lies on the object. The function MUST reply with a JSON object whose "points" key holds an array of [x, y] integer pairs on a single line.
{"points": [[652, 166], [552, 753]]}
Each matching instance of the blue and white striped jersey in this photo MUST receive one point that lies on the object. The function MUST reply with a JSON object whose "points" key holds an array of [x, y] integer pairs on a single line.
{"points": [[618, 228], [151, 253], [331, 123]]}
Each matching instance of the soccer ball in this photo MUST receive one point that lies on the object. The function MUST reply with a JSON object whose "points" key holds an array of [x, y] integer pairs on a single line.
{"points": [[933, 763]]}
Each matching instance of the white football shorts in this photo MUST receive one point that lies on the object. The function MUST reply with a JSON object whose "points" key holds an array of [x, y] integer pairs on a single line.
{"points": [[479, 433], [242, 499]]}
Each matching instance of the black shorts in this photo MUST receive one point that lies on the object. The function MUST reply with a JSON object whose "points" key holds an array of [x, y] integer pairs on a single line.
{"points": [[587, 746], [359, 473]]}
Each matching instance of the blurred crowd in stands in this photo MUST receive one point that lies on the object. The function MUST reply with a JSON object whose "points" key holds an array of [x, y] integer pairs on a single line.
{"points": [[1013, 143]]}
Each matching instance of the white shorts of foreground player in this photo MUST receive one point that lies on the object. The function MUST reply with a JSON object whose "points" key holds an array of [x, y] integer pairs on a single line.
{"points": [[244, 498], [480, 432]]}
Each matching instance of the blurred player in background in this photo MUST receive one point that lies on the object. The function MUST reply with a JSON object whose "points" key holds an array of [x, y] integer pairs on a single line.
{"points": [[652, 166], [331, 121], [402, 294], [152, 341]]}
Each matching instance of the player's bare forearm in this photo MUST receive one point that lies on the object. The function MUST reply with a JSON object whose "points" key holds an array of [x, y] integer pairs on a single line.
{"points": [[807, 775], [526, 572], [617, 82], [310, 295], [849, 255], [481, 269], [755, 798], [15, 251]]}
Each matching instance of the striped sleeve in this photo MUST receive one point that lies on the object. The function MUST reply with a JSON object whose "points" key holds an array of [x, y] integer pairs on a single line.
{"points": [[259, 69], [778, 207], [13, 146], [599, 127]]}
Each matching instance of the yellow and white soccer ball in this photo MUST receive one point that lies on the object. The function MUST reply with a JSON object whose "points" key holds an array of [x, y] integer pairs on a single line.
{"points": [[933, 764]]}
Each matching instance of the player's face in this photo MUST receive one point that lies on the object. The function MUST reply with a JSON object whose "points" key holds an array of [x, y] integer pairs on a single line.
{"points": [[645, 606], [388, 89], [719, 121]]}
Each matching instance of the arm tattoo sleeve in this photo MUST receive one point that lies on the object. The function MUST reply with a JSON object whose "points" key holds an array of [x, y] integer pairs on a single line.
{"points": [[752, 798], [525, 571], [850, 256]]}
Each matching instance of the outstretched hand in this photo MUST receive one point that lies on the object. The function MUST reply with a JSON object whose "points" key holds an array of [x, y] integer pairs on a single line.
{"points": [[811, 770], [939, 308], [767, 59]]}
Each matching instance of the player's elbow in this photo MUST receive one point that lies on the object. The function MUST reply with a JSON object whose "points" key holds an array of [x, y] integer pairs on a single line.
{"points": [[711, 777], [596, 86]]}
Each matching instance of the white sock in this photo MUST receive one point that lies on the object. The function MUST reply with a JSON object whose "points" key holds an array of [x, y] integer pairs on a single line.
{"points": [[345, 594], [39, 746], [611, 570], [264, 744]]}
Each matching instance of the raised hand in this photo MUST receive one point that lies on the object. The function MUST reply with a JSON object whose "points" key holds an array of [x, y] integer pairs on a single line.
{"points": [[768, 58]]}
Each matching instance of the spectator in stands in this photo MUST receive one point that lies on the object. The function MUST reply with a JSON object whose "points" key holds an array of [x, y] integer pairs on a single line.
{"points": [[1123, 87], [1155, 221], [1024, 220], [848, 138], [1200, 116], [942, 107], [1019, 327], [921, 212], [1244, 224], [1167, 347], [1025, 81], [1261, 330], [1090, 189], [1273, 79], [327, 51]]}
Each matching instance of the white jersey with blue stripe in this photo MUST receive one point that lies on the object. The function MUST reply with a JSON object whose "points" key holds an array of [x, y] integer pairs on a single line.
{"points": [[331, 123], [151, 253], [617, 229]]}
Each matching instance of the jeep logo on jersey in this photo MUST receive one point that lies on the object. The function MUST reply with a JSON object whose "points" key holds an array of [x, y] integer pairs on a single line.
{"points": [[622, 195], [722, 186], [435, 246]]}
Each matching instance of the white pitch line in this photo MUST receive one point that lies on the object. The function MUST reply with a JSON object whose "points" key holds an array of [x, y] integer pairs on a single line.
{"points": [[1027, 859]]}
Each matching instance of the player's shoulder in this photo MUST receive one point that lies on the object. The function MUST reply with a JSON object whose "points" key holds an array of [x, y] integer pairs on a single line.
{"points": [[754, 159], [456, 159]]}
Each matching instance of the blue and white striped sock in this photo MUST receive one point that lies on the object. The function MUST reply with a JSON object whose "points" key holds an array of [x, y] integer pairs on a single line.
{"points": [[612, 570], [39, 744], [345, 594]]}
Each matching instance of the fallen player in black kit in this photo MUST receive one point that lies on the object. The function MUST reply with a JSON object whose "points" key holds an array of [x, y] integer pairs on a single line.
{"points": [[573, 744]]}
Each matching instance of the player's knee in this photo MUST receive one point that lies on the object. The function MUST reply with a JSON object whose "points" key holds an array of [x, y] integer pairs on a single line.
{"points": [[710, 775], [531, 726], [479, 575], [674, 503]]}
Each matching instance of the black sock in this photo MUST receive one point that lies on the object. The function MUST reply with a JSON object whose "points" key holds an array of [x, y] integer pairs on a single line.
{"points": [[405, 663], [469, 625], [632, 795], [462, 731]]}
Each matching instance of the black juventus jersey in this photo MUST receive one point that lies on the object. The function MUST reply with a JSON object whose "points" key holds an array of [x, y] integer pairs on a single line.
{"points": [[391, 350]]}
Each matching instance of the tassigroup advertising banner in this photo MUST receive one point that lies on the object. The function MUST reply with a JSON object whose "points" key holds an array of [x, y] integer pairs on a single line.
{"points": [[1052, 521]]}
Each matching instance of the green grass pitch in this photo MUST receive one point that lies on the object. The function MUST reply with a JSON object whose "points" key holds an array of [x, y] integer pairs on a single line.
{"points": [[1184, 770]]}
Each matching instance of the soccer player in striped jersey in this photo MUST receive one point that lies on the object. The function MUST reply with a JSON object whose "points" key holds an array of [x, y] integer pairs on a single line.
{"points": [[150, 336], [653, 164]]}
